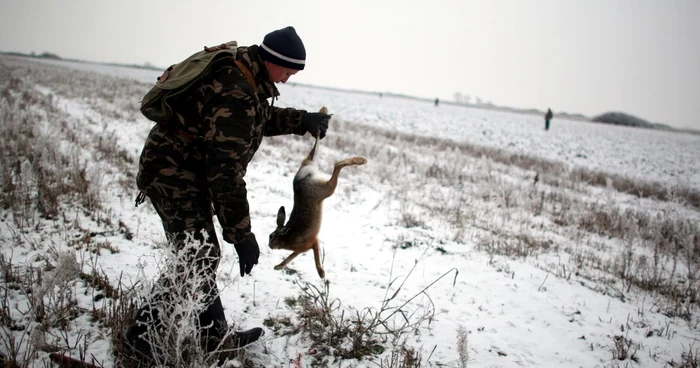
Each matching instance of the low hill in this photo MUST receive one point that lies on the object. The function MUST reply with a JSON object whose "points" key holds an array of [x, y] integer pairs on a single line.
{"points": [[621, 118]]}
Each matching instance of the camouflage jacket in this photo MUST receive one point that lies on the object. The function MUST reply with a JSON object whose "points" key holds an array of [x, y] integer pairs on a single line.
{"points": [[227, 119]]}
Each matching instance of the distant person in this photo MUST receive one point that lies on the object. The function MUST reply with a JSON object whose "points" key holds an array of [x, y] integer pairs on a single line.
{"points": [[437, 101], [193, 165], [547, 118]]}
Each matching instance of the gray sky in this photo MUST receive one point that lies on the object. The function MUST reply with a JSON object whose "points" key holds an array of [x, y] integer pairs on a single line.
{"points": [[587, 56]]}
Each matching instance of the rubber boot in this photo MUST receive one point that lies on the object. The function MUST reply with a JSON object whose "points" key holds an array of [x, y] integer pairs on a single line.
{"points": [[135, 337], [243, 338], [215, 317], [214, 320], [134, 343]]}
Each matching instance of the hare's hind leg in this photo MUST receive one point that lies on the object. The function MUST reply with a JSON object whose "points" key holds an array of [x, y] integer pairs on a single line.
{"points": [[310, 157], [333, 181], [317, 259], [350, 162]]}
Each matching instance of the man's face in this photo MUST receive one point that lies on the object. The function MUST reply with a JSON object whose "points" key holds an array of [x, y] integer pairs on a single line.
{"points": [[279, 73]]}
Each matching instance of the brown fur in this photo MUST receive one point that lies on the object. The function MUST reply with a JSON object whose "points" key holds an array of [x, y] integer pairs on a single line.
{"points": [[301, 231]]}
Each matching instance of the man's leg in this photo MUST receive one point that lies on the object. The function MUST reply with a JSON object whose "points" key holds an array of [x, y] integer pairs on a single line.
{"points": [[212, 320], [197, 221], [186, 224]]}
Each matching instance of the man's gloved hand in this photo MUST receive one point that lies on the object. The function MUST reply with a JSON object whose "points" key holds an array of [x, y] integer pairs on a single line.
{"points": [[316, 123], [248, 254]]}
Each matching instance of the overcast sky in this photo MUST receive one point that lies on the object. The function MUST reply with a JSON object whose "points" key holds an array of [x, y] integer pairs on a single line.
{"points": [[585, 56]]}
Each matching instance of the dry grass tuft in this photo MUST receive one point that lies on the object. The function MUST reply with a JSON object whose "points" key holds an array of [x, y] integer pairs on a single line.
{"points": [[369, 333]]}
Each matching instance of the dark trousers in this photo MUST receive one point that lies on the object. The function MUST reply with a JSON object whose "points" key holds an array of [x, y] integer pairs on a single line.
{"points": [[181, 218]]}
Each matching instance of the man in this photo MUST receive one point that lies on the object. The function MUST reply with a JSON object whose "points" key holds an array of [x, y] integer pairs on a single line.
{"points": [[547, 118], [194, 166]]}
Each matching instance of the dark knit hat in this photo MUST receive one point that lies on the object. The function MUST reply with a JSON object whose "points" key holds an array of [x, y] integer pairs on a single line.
{"points": [[283, 47]]}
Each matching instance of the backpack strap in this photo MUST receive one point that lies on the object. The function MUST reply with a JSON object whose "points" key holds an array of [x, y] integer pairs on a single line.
{"points": [[247, 74]]}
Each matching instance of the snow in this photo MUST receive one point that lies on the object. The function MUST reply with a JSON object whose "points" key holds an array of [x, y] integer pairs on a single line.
{"points": [[668, 157], [519, 313]]}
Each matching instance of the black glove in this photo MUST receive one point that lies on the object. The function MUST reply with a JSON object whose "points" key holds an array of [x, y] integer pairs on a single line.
{"points": [[316, 123], [248, 254]]}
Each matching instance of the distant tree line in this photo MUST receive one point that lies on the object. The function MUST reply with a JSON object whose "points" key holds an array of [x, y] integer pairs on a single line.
{"points": [[620, 118], [465, 99], [43, 55], [47, 55]]}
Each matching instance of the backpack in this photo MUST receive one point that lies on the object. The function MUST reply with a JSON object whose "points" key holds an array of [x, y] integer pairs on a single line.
{"points": [[157, 104]]}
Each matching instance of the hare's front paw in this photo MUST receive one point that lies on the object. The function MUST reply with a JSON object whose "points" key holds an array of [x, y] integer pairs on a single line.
{"points": [[279, 267], [321, 273]]}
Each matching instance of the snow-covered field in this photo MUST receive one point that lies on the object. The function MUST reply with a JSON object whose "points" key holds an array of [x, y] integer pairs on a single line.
{"points": [[534, 288], [672, 158]]}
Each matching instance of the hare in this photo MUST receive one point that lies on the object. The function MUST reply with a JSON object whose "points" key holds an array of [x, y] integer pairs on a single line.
{"points": [[311, 187]]}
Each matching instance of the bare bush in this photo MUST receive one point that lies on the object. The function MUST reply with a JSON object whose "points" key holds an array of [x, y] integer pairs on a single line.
{"points": [[336, 334], [17, 347], [44, 306], [623, 348], [174, 303]]}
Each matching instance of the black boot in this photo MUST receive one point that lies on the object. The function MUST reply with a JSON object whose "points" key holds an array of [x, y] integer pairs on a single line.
{"points": [[243, 338], [134, 342], [218, 329], [213, 323], [135, 339]]}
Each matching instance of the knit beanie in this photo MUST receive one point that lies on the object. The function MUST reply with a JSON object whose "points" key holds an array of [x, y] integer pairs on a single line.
{"points": [[283, 47]]}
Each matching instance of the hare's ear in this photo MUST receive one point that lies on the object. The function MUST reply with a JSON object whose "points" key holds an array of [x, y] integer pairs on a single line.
{"points": [[281, 215]]}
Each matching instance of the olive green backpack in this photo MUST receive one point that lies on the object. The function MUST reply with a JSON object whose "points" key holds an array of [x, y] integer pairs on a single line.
{"points": [[157, 104]]}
